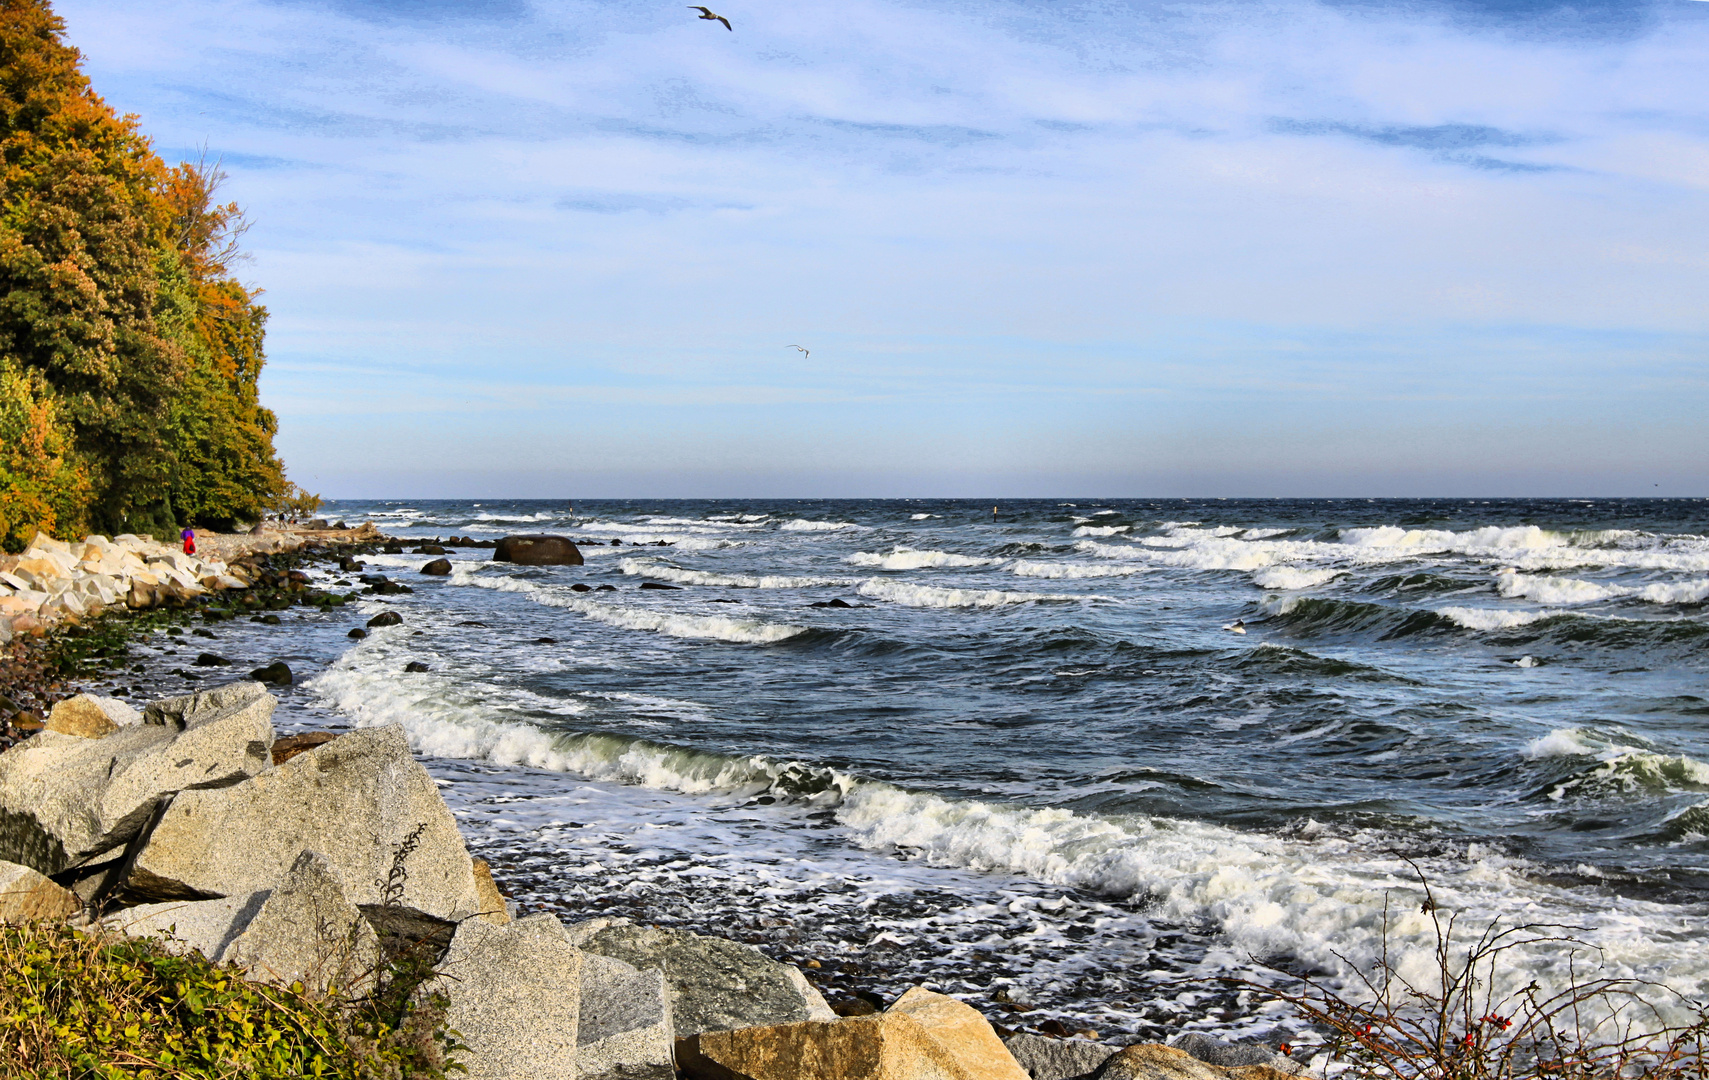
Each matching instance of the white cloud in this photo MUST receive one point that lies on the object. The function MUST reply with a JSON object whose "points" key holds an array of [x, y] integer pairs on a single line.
{"points": [[1218, 215]]}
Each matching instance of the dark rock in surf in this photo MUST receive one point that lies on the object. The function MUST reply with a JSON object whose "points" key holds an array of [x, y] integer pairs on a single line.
{"points": [[357, 634], [415, 667], [838, 603], [430, 549], [579, 587], [538, 550], [208, 659], [437, 568], [473, 622], [278, 673], [606, 588], [656, 585], [385, 618]]}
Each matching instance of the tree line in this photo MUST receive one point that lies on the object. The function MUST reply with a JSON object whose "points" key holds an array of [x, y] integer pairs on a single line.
{"points": [[129, 351]]}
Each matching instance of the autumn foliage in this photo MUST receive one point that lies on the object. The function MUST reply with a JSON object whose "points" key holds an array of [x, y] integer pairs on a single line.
{"points": [[129, 352]]}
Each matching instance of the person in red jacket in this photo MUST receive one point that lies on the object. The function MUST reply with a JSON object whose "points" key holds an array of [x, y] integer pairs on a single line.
{"points": [[189, 536]]}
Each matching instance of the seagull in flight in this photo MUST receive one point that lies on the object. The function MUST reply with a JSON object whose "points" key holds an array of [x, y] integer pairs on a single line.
{"points": [[708, 13], [1238, 626], [805, 353]]}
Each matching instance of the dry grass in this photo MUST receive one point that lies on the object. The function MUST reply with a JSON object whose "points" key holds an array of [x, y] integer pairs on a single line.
{"points": [[1478, 1016]]}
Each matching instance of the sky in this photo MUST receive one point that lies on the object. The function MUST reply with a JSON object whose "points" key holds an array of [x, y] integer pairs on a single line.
{"points": [[567, 249]]}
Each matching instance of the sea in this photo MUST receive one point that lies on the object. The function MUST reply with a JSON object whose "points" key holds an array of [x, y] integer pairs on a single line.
{"points": [[1068, 759]]}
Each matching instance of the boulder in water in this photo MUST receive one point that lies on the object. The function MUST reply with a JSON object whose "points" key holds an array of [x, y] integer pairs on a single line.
{"points": [[538, 550], [437, 568]]}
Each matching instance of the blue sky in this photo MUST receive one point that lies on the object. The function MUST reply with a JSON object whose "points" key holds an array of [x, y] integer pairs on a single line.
{"points": [[550, 248]]}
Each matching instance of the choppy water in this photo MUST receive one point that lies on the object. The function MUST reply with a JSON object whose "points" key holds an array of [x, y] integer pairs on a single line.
{"points": [[1030, 759]]}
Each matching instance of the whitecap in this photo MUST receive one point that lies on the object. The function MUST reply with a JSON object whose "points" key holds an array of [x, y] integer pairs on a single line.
{"points": [[1101, 530], [1554, 590], [1292, 577], [803, 525], [1493, 618], [1037, 569], [653, 569], [903, 558], [673, 624], [930, 596]]}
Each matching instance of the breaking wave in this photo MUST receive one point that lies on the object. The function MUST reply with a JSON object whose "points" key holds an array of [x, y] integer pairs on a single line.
{"points": [[910, 559]]}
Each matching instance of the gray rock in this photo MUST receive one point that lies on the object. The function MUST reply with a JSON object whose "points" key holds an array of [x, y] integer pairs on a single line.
{"points": [[1057, 1059], [361, 801], [308, 931], [515, 998], [716, 985], [207, 926], [67, 800], [626, 1031], [1229, 1055]]}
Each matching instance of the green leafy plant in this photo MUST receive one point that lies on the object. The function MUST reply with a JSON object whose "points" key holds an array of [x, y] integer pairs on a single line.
{"points": [[79, 1005]]}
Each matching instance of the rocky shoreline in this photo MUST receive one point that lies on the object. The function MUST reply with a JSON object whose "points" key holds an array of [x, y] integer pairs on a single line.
{"points": [[220, 902]]}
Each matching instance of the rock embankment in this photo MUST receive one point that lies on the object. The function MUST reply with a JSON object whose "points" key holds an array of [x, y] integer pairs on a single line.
{"points": [[55, 581], [321, 860]]}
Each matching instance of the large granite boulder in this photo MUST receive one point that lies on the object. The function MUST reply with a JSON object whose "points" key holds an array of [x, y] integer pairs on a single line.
{"points": [[27, 896], [206, 926], [538, 550], [90, 716], [361, 801], [67, 800], [625, 1031], [924, 1036], [1214, 1051], [1057, 1059], [715, 984], [515, 998], [308, 931]]}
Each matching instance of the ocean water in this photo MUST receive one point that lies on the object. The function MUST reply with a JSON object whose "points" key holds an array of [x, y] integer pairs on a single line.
{"points": [[1031, 762]]}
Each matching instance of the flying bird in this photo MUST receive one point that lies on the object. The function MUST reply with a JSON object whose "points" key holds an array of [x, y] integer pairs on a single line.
{"points": [[805, 353], [1238, 626], [708, 13]]}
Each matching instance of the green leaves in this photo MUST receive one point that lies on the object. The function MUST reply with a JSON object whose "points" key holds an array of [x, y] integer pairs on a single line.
{"points": [[77, 1005], [118, 314]]}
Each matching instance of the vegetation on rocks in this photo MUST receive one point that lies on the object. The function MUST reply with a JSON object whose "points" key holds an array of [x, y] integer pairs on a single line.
{"points": [[129, 352], [75, 1004]]}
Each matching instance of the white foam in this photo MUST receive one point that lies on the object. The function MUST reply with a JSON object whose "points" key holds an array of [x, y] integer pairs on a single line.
{"points": [[920, 517], [903, 558], [929, 596], [673, 624], [1554, 590], [1101, 530], [1103, 513], [1561, 742], [654, 569], [803, 525], [1293, 577], [1679, 592], [1321, 901], [1208, 554], [1493, 618], [1489, 538], [1037, 569]]}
